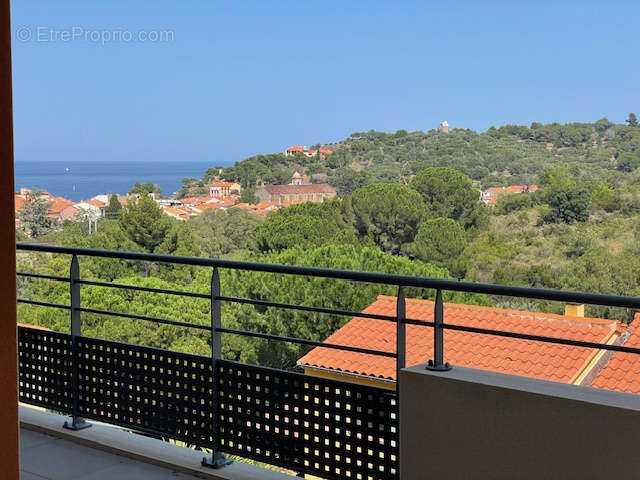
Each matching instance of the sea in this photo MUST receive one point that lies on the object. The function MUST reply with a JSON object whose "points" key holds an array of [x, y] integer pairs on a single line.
{"points": [[83, 180]]}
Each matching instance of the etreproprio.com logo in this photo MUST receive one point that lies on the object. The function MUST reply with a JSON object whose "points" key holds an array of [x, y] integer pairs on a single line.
{"points": [[101, 36]]}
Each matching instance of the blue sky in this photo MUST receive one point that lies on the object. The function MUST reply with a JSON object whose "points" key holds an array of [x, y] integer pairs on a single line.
{"points": [[244, 77]]}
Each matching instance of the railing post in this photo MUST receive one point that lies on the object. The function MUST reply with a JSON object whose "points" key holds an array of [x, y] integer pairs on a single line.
{"points": [[77, 423], [438, 363], [217, 459], [401, 334]]}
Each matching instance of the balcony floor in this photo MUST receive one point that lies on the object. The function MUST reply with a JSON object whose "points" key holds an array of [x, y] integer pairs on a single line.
{"points": [[46, 457]]}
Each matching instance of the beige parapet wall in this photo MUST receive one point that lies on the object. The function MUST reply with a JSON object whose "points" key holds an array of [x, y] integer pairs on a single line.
{"points": [[473, 424]]}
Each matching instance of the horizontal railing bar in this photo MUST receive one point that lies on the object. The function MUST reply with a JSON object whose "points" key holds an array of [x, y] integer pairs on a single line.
{"points": [[290, 306], [42, 304], [47, 277], [135, 316], [378, 278], [145, 289], [541, 338], [302, 341], [422, 323]]}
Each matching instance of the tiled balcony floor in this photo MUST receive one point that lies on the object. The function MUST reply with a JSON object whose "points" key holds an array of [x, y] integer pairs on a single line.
{"points": [[46, 457]]}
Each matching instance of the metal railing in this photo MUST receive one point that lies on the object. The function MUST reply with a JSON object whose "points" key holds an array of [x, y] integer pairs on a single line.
{"points": [[234, 437]]}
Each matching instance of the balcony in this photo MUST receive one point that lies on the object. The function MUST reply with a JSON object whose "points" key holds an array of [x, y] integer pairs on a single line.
{"points": [[311, 425]]}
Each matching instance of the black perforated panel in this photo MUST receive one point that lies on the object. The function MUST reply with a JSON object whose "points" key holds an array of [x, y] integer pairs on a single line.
{"points": [[147, 389], [332, 429], [44, 368]]}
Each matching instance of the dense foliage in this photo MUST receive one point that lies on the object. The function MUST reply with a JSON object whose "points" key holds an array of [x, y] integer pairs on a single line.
{"points": [[33, 217], [511, 154], [409, 204]]}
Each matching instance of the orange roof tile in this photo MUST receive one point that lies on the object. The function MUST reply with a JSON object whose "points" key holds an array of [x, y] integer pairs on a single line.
{"points": [[512, 189], [546, 361], [58, 204], [96, 203], [622, 371], [243, 206], [265, 205], [296, 148]]}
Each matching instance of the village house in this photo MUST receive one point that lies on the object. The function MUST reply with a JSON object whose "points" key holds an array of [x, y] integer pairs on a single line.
{"points": [[56, 204], [295, 193], [490, 195], [322, 151], [554, 362], [224, 189]]}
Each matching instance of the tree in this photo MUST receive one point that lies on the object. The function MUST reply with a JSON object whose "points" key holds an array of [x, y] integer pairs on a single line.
{"points": [[33, 217], [192, 187], [248, 195], [568, 205], [345, 180], [628, 161], [179, 240], [145, 223], [114, 208], [511, 202], [632, 120], [220, 233], [313, 291], [388, 214], [441, 241], [568, 199], [305, 225], [449, 193], [145, 189]]}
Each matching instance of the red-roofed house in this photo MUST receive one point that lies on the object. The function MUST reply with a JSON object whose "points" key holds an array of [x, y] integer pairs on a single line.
{"points": [[490, 195], [559, 363], [98, 204], [295, 149], [322, 151], [58, 204]]}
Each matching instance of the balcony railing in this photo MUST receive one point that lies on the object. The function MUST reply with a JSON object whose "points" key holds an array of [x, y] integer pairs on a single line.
{"points": [[324, 427]]}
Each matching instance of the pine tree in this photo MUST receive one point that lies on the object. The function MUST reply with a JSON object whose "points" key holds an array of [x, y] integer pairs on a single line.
{"points": [[33, 216]]}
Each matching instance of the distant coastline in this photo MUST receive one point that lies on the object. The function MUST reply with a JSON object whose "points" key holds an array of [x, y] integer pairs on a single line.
{"points": [[78, 180]]}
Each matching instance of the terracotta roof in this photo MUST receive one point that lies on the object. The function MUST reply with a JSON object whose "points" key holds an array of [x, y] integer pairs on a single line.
{"points": [[58, 204], [294, 189], [512, 189], [622, 371], [296, 148], [243, 206], [198, 200], [96, 203], [546, 361], [264, 205]]}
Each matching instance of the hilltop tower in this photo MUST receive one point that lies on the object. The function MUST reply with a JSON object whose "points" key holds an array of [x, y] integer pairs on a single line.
{"points": [[444, 127]]}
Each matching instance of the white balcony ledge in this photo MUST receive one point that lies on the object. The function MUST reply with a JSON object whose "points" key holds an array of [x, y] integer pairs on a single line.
{"points": [[48, 451]]}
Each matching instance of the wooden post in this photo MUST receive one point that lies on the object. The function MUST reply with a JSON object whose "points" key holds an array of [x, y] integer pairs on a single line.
{"points": [[9, 453]]}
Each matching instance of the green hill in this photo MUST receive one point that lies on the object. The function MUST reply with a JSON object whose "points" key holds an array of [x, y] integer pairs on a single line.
{"points": [[511, 154]]}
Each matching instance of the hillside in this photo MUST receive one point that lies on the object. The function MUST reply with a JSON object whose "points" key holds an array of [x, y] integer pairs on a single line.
{"points": [[507, 155]]}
